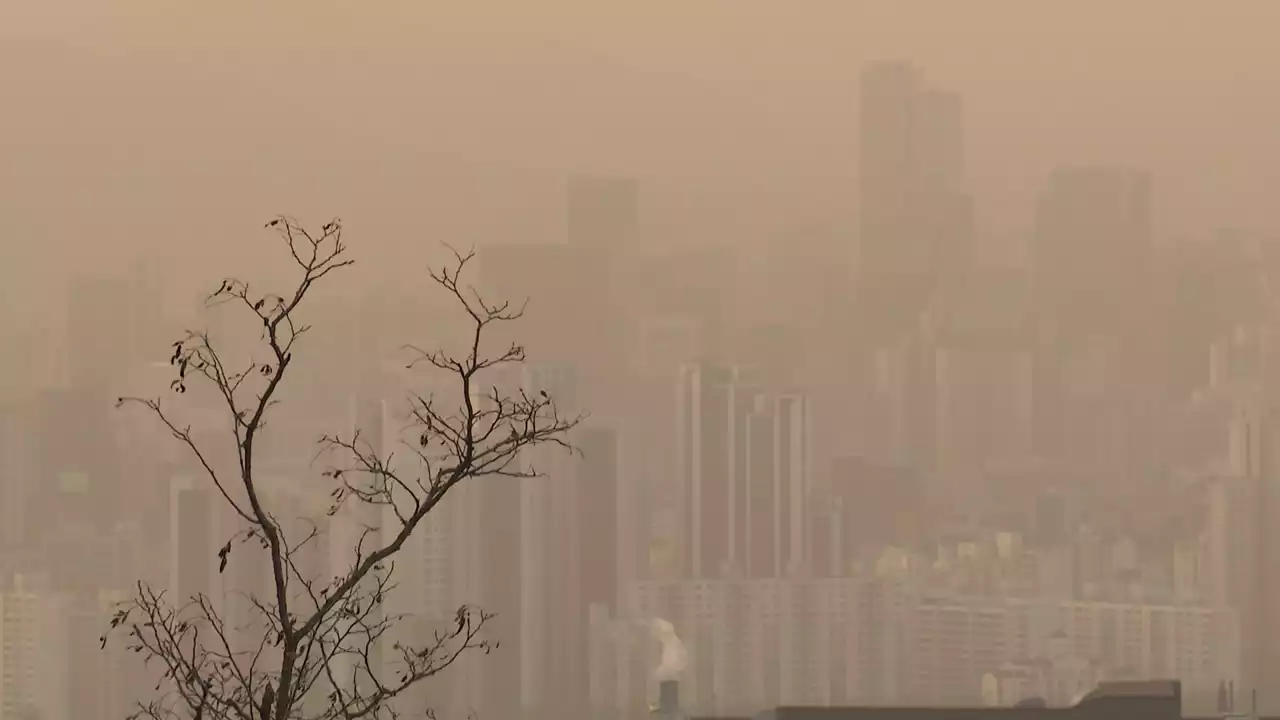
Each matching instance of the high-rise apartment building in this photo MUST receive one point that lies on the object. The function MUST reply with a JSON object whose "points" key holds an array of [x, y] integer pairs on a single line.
{"points": [[773, 536], [33, 650], [713, 403], [1255, 447], [703, 425], [743, 455], [885, 640], [549, 537]]}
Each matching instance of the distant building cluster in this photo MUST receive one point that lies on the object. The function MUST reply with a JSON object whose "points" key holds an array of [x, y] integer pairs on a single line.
{"points": [[885, 639], [890, 463]]}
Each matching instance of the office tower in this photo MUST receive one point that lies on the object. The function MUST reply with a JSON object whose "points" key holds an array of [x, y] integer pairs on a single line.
{"points": [[915, 222], [604, 212]]}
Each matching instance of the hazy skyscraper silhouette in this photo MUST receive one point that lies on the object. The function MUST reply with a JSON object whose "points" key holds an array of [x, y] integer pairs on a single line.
{"points": [[915, 224]]}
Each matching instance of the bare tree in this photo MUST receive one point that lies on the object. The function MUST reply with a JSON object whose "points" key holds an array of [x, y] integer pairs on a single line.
{"points": [[323, 646]]}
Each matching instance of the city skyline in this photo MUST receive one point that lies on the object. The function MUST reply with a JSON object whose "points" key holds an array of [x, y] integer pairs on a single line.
{"points": [[904, 448]]}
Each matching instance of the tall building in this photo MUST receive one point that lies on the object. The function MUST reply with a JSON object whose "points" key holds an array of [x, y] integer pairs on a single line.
{"points": [[1256, 448], [743, 455], [702, 451], [761, 491], [774, 538], [549, 537], [499, 584], [792, 460], [915, 221], [579, 570], [713, 403]]}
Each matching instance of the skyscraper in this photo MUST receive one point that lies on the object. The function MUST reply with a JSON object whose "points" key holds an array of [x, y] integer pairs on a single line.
{"points": [[549, 535], [791, 457], [704, 424], [743, 464], [1256, 446], [760, 490], [775, 485], [915, 222]]}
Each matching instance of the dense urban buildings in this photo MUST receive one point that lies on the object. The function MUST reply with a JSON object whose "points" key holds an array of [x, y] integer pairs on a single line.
{"points": [[855, 465]]}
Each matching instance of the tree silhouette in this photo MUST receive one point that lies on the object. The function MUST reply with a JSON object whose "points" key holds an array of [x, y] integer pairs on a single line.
{"points": [[322, 651]]}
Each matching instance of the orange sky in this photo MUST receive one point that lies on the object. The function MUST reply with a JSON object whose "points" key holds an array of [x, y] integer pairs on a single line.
{"points": [[737, 114]]}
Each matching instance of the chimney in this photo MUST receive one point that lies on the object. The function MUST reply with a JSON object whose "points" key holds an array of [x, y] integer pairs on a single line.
{"points": [[669, 698]]}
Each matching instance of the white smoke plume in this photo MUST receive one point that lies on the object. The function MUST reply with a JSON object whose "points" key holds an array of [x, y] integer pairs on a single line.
{"points": [[674, 655]]}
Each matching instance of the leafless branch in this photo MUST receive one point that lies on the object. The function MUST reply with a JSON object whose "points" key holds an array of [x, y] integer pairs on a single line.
{"points": [[321, 643]]}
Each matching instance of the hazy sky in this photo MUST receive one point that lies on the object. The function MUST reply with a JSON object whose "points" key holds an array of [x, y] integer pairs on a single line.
{"points": [[739, 115]]}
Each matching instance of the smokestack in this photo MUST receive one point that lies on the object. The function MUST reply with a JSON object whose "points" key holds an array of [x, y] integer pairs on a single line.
{"points": [[674, 659], [674, 655], [669, 698]]}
